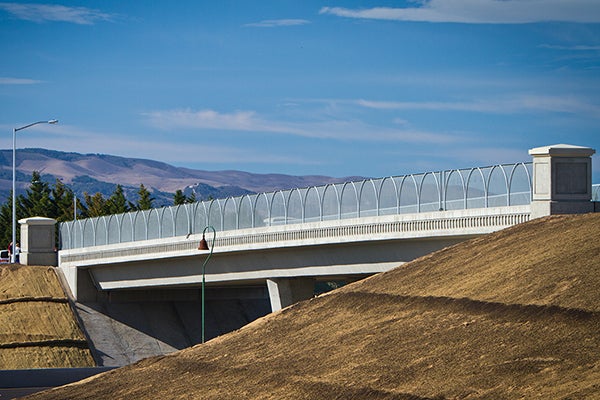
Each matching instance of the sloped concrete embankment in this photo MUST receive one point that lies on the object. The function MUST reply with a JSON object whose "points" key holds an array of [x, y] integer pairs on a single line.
{"points": [[124, 327]]}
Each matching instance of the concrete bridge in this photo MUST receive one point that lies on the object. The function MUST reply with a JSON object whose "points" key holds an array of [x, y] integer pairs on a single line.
{"points": [[271, 249]]}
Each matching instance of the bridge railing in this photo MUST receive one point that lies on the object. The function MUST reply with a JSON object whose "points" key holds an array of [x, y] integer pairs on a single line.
{"points": [[481, 187]]}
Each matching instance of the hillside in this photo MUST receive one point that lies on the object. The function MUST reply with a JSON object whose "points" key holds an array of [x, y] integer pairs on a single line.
{"points": [[37, 327], [101, 172], [511, 315]]}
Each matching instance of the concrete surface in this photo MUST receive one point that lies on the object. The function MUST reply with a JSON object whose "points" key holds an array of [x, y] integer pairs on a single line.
{"points": [[132, 325]]}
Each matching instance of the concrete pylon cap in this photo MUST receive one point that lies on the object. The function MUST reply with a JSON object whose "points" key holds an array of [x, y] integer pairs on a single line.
{"points": [[562, 150], [37, 221]]}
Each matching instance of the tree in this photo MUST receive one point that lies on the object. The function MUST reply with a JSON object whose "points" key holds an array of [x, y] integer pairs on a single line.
{"points": [[145, 199], [179, 198], [58, 202], [63, 204], [191, 198], [6, 221], [38, 201], [96, 205], [117, 203]]}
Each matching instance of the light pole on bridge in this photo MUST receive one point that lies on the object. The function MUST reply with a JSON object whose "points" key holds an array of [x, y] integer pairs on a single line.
{"points": [[204, 246], [13, 244]]}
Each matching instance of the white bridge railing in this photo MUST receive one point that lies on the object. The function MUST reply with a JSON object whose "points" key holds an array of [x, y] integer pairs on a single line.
{"points": [[481, 187], [441, 224]]}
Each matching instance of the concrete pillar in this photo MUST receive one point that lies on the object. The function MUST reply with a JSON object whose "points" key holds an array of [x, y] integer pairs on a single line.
{"points": [[562, 180], [38, 245], [284, 292]]}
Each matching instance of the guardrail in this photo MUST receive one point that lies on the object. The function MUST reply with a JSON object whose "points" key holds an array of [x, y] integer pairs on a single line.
{"points": [[481, 187], [388, 227]]}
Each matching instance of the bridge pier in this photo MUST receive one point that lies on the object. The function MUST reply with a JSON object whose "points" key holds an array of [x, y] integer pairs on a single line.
{"points": [[284, 292]]}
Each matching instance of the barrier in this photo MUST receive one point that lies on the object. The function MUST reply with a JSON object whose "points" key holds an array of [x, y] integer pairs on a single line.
{"points": [[481, 187]]}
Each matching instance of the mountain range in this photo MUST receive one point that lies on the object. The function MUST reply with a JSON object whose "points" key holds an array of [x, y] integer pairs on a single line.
{"points": [[93, 173]]}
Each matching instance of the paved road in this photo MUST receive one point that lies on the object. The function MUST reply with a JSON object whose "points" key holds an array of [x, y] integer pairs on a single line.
{"points": [[19, 392]]}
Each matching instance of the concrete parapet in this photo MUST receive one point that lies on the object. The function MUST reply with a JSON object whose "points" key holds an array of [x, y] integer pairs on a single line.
{"points": [[562, 180], [38, 245]]}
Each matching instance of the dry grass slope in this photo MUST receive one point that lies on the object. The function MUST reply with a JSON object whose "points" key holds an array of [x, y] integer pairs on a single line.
{"points": [[511, 315], [37, 326]]}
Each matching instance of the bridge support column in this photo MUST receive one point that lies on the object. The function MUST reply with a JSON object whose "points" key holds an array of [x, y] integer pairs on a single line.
{"points": [[38, 245], [284, 292], [562, 180]]}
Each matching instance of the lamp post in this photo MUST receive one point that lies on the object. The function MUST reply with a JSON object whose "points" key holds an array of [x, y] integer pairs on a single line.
{"points": [[204, 246], [14, 185]]}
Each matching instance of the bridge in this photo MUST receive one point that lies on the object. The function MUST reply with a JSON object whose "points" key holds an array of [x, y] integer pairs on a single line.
{"points": [[332, 232], [270, 249]]}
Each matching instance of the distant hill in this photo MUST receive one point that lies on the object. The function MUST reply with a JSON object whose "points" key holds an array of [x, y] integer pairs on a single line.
{"points": [[510, 315], [94, 173]]}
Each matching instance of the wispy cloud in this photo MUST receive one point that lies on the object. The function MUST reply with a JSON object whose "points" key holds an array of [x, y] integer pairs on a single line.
{"points": [[161, 148], [571, 48], [493, 155], [55, 13], [514, 104], [249, 121], [18, 81], [481, 11], [272, 23]]}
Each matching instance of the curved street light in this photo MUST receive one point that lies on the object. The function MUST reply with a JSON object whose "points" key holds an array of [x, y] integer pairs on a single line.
{"points": [[14, 185], [204, 246]]}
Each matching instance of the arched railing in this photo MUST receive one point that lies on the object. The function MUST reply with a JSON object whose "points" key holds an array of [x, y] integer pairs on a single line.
{"points": [[481, 187]]}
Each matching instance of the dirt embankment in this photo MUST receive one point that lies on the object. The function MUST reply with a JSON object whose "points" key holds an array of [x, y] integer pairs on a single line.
{"points": [[511, 315], [37, 326]]}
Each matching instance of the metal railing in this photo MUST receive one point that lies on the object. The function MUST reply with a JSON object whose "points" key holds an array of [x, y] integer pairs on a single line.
{"points": [[481, 187]]}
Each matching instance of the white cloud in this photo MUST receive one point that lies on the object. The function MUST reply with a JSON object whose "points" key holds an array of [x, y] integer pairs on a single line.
{"points": [[249, 121], [487, 155], [163, 148], [204, 119], [18, 81], [571, 48], [514, 104], [270, 23], [481, 11], [51, 12]]}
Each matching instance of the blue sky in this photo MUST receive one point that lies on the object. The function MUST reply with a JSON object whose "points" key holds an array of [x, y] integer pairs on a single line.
{"points": [[339, 88]]}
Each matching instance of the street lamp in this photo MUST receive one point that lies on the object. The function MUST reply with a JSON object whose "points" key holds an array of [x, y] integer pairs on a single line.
{"points": [[204, 246], [14, 185]]}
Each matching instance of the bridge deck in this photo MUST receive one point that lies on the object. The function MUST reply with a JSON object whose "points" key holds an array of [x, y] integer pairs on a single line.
{"points": [[320, 249]]}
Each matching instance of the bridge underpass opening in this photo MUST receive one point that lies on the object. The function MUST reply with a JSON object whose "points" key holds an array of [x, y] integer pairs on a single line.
{"points": [[127, 325]]}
